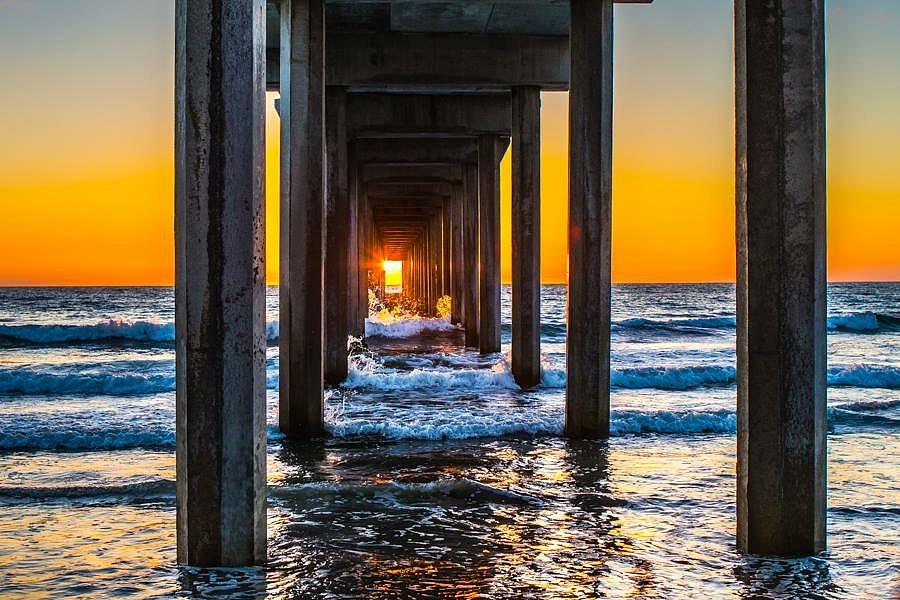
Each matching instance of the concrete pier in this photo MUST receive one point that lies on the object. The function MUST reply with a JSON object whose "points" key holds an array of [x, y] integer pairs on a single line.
{"points": [[421, 105], [526, 236], [781, 292], [301, 329], [220, 282], [590, 212], [489, 156]]}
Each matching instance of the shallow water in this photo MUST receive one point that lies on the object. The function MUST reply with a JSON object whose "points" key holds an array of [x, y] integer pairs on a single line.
{"points": [[440, 477]]}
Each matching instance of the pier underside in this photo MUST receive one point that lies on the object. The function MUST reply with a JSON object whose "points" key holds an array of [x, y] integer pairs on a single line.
{"points": [[394, 119]]}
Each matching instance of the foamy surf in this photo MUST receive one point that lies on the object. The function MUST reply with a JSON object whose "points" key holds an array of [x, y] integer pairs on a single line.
{"points": [[373, 376], [387, 326]]}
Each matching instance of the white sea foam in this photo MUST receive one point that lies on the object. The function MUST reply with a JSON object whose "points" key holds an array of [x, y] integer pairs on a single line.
{"points": [[386, 326]]}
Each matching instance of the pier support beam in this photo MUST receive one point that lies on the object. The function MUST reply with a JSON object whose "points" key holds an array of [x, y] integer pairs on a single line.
{"points": [[470, 253], [590, 225], [220, 282], [526, 236], [302, 223], [456, 206], [781, 292], [489, 243], [446, 248], [359, 284], [339, 236]]}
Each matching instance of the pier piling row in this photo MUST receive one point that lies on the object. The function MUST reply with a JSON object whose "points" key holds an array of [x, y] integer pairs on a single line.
{"points": [[392, 133]]}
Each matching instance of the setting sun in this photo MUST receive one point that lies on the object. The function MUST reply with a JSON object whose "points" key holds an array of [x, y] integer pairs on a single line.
{"points": [[393, 273]]}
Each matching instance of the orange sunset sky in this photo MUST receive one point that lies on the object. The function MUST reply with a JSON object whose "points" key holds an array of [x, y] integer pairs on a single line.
{"points": [[86, 145]]}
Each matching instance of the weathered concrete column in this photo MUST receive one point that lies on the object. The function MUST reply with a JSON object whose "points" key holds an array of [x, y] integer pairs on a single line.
{"points": [[447, 245], [339, 234], [781, 292], [302, 219], [456, 235], [526, 236], [590, 212], [359, 257], [489, 243], [470, 253], [220, 282]]}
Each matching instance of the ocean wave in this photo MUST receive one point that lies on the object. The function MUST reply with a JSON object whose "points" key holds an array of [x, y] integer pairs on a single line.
{"points": [[33, 382], [112, 330], [839, 416], [454, 488], [450, 423], [672, 378], [366, 374], [452, 426], [677, 324], [89, 437], [371, 376], [864, 376], [123, 330], [139, 490], [863, 322], [665, 421], [110, 438], [407, 327]]}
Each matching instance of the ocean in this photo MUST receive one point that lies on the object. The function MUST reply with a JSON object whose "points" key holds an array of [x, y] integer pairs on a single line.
{"points": [[440, 478]]}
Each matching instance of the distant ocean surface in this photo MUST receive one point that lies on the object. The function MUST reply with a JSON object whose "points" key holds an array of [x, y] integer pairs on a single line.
{"points": [[440, 477]]}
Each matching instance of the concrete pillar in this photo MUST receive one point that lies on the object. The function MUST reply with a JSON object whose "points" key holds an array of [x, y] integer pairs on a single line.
{"points": [[220, 282], [470, 253], [456, 250], [489, 243], [357, 293], [446, 250], [339, 226], [300, 345], [781, 291], [590, 226], [526, 236]]}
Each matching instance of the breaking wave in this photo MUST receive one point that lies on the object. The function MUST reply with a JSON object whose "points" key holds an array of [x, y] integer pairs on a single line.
{"points": [[863, 322], [33, 382], [407, 327], [111, 330], [75, 436], [864, 376]]}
